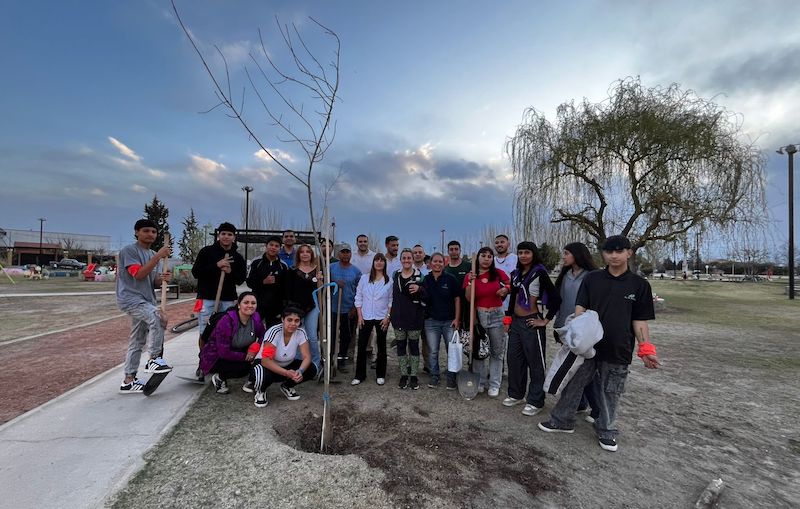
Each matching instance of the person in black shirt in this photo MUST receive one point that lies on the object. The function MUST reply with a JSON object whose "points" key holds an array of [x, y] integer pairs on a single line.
{"points": [[624, 303], [267, 279], [442, 316]]}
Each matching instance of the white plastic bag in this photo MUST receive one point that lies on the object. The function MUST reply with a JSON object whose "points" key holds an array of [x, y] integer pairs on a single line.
{"points": [[455, 360]]}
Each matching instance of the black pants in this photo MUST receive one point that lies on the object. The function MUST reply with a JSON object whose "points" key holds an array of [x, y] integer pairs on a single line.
{"points": [[526, 356], [263, 377], [231, 369], [346, 326], [363, 340]]}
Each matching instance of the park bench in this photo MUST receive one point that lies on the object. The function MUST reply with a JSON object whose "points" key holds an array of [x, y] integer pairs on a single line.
{"points": [[172, 288]]}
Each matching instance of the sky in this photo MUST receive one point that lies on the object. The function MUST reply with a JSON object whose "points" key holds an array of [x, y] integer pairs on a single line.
{"points": [[103, 104]]}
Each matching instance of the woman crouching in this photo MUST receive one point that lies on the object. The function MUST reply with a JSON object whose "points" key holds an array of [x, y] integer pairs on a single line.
{"points": [[281, 346], [233, 344]]}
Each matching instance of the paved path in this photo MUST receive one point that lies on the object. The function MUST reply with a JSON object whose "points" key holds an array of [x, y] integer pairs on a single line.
{"points": [[80, 448]]}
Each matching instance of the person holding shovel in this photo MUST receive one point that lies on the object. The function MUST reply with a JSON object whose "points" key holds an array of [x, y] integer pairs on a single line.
{"points": [[491, 287], [136, 280], [212, 262]]}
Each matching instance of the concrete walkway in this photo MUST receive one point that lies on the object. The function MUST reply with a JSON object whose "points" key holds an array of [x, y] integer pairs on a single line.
{"points": [[78, 449]]}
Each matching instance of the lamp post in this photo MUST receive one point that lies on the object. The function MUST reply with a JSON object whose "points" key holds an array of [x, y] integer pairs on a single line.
{"points": [[790, 150], [247, 190], [443, 230], [41, 231]]}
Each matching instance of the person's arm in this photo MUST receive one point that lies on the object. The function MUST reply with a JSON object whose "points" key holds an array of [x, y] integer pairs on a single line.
{"points": [[141, 272], [647, 351]]}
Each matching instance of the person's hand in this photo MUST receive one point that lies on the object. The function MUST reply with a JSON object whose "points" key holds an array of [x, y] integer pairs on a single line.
{"points": [[164, 252], [502, 292], [249, 356], [360, 322], [470, 276], [320, 275], [385, 323], [166, 277], [413, 288], [537, 322], [454, 324], [224, 263], [226, 269], [269, 280], [651, 361]]}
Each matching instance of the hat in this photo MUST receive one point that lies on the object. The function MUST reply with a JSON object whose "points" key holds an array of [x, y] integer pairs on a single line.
{"points": [[616, 243], [226, 227], [345, 247], [145, 223]]}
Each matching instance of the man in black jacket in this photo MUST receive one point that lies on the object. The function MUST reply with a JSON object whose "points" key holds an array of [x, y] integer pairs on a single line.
{"points": [[267, 279], [211, 262]]}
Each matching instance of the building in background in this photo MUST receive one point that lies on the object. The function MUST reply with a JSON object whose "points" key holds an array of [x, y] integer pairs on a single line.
{"points": [[19, 247]]}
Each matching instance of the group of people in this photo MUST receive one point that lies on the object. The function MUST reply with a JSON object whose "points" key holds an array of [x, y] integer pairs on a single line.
{"points": [[270, 334]]}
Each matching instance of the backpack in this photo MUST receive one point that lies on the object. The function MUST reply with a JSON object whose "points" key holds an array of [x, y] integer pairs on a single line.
{"points": [[212, 324]]}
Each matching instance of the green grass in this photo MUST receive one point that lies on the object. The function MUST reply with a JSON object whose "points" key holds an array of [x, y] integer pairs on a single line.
{"points": [[741, 305]]}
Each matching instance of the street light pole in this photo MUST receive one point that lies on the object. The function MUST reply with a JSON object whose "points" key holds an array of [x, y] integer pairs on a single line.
{"points": [[790, 151], [443, 230], [247, 190], [41, 231]]}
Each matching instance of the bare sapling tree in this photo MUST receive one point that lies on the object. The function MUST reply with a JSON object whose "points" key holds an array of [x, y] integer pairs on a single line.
{"points": [[648, 163], [283, 94]]}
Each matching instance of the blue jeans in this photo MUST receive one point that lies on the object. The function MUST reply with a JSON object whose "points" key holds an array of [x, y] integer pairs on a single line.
{"points": [[609, 384], [436, 330], [491, 369], [208, 309], [310, 325]]}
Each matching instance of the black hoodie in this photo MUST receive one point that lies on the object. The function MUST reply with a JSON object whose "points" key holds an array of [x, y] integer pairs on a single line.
{"points": [[207, 273]]}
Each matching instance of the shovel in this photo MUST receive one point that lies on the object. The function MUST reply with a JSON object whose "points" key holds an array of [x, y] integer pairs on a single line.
{"points": [[468, 380]]}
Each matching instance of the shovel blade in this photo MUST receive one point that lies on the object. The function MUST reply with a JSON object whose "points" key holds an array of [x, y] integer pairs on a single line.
{"points": [[468, 384], [327, 431]]}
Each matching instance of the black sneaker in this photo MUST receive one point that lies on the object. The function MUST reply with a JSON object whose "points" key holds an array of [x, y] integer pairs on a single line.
{"points": [[549, 427], [451, 384], [135, 387], [608, 444], [403, 384], [157, 365], [220, 385], [414, 383], [290, 393]]}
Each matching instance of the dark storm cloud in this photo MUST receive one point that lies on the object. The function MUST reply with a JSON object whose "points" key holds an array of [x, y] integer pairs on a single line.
{"points": [[764, 71]]}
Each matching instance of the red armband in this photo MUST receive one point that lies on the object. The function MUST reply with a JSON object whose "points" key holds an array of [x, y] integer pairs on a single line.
{"points": [[134, 269], [646, 348], [253, 348], [506, 320], [198, 305], [269, 351]]}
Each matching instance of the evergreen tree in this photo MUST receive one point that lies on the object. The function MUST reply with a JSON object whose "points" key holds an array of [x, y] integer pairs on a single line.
{"points": [[192, 238], [549, 255], [157, 212]]}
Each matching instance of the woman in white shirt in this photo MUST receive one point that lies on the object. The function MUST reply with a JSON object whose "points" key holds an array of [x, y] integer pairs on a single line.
{"points": [[281, 345], [373, 303]]}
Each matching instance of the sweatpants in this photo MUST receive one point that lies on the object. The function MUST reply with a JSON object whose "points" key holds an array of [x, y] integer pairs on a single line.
{"points": [[263, 377], [526, 357], [146, 329]]}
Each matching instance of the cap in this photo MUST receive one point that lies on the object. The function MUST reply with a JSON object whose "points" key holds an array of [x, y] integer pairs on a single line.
{"points": [[226, 227], [345, 247], [145, 223], [616, 243]]}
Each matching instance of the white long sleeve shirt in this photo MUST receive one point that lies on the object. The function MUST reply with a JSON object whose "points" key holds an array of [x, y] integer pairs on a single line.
{"points": [[374, 298]]}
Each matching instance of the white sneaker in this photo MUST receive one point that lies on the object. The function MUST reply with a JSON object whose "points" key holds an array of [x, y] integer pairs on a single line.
{"points": [[381, 381], [530, 410], [493, 393], [511, 401], [248, 386], [355, 381], [589, 419], [220, 385], [260, 399]]}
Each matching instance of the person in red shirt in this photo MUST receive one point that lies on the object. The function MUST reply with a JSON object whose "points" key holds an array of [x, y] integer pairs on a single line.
{"points": [[491, 287]]}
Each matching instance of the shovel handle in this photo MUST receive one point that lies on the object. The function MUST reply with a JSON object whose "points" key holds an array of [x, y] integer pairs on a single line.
{"points": [[219, 287]]}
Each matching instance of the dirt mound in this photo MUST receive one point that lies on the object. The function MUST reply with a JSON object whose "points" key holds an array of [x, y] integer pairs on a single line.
{"points": [[455, 462]]}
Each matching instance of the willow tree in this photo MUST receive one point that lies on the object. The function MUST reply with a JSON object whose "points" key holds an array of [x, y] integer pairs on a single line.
{"points": [[648, 163]]}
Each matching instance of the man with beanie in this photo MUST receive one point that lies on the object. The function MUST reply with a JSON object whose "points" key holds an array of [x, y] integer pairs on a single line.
{"points": [[624, 303], [210, 263], [137, 279]]}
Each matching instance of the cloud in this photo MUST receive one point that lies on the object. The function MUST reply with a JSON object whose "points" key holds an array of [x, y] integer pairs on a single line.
{"points": [[136, 188], [207, 171], [124, 149], [764, 70], [279, 154]]}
